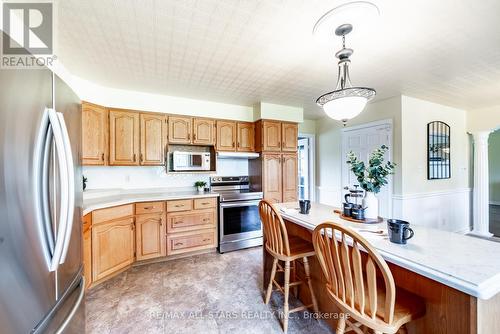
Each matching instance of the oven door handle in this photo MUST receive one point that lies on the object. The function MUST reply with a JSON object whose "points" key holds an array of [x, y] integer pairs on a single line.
{"points": [[240, 203]]}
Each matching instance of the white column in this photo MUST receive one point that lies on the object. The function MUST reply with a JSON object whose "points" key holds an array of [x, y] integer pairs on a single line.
{"points": [[481, 196]]}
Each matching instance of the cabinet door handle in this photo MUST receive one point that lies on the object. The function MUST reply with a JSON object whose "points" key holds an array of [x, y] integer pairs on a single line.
{"points": [[102, 157], [189, 136], [142, 158], [206, 219], [134, 157], [205, 203], [194, 136], [179, 244], [234, 144], [148, 207], [132, 227], [179, 205], [239, 144], [206, 240], [178, 222]]}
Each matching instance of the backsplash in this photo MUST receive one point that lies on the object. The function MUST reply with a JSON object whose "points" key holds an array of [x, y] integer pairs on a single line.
{"points": [[129, 177]]}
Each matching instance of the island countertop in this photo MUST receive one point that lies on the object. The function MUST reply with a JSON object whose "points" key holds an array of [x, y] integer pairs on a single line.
{"points": [[105, 198], [465, 263]]}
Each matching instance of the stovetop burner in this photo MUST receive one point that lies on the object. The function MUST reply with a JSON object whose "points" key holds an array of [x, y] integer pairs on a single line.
{"points": [[234, 188]]}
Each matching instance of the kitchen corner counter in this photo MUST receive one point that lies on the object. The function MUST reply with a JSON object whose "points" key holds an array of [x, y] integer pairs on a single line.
{"points": [[465, 263], [105, 198]]}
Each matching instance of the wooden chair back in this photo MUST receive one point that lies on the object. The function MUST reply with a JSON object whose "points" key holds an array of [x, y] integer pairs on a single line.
{"points": [[275, 233], [354, 289]]}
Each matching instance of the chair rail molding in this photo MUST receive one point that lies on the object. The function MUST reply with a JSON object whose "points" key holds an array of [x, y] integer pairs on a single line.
{"points": [[480, 203]]}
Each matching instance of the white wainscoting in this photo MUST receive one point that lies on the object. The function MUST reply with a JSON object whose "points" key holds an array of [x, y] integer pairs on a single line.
{"points": [[329, 196], [446, 210]]}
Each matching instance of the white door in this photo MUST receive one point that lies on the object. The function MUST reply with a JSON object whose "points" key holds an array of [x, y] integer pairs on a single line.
{"points": [[303, 164], [362, 141]]}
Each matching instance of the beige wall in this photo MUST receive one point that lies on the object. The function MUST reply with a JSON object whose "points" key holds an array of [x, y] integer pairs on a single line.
{"points": [[308, 126], [410, 117], [483, 119], [328, 149], [416, 114]]}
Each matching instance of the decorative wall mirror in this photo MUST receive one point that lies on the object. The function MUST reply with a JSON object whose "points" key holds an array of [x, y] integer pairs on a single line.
{"points": [[438, 151]]}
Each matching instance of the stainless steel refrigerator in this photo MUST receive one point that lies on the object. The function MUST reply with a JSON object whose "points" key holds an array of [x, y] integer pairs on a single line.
{"points": [[41, 284]]}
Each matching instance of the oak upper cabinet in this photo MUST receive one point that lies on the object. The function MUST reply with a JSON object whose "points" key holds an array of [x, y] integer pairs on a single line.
{"points": [[112, 246], [179, 130], [290, 175], [246, 136], [226, 135], [272, 177], [153, 139], [289, 137], [203, 131], [269, 135], [94, 134], [150, 236], [123, 138]]}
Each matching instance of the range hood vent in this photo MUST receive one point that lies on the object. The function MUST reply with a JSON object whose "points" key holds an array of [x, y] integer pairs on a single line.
{"points": [[237, 155]]}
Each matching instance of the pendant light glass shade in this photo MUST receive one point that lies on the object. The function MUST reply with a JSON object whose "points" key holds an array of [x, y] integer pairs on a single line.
{"points": [[346, 101], [345, 108]]}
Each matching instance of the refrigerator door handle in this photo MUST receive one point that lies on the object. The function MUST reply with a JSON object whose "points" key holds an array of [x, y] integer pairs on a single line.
{"points": [[71, 187], [74, 309], [63, 171], [41, 187]]}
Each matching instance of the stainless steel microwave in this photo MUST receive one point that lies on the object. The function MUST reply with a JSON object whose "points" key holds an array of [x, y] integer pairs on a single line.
{"points": [[191, 161]]}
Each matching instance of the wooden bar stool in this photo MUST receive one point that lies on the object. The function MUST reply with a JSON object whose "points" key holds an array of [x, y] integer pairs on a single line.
{"points": [[383, 309], [286, 249]]}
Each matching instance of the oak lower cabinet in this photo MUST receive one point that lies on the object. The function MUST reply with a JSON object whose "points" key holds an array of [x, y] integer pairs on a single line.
{"points": [[191, 225], [179, 243], [150, 236], [87, 249], [276, 175], [94, 135], [113, 247], [116, 237]]}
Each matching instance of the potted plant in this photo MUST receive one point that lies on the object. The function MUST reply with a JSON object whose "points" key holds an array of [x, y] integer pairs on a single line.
{"points": [[200, 185], [372, 177]]}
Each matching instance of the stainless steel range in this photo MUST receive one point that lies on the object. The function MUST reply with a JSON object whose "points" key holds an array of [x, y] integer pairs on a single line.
{"points": [[239, 222]]}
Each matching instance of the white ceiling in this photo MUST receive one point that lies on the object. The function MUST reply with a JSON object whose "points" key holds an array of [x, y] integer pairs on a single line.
{"points": [[241, 52]]}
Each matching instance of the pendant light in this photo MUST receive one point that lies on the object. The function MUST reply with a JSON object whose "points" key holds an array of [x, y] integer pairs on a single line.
{"points": [[346, 101]]}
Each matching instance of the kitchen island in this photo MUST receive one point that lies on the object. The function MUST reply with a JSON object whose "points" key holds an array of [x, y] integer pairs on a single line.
{"points": [[457, 275]]}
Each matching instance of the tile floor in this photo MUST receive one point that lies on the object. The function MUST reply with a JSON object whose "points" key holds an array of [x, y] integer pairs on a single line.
{"points": [[210, 293]]}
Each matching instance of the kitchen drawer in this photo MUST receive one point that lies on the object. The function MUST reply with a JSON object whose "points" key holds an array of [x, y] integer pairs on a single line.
{"points": [[189, 221], [180, 205], [116, 212], [205, 203], [149, 207], [179, 243]]}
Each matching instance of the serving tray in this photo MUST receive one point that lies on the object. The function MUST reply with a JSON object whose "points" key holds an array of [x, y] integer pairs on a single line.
{"points": [[364, 221]]}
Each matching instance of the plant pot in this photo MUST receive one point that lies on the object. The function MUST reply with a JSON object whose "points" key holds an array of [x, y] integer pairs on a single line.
{"points": [[370, 203], [201, 189]]}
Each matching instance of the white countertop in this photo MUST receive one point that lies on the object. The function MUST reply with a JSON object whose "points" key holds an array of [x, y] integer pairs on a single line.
{"points": [[466, 263], [105, 198]]}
